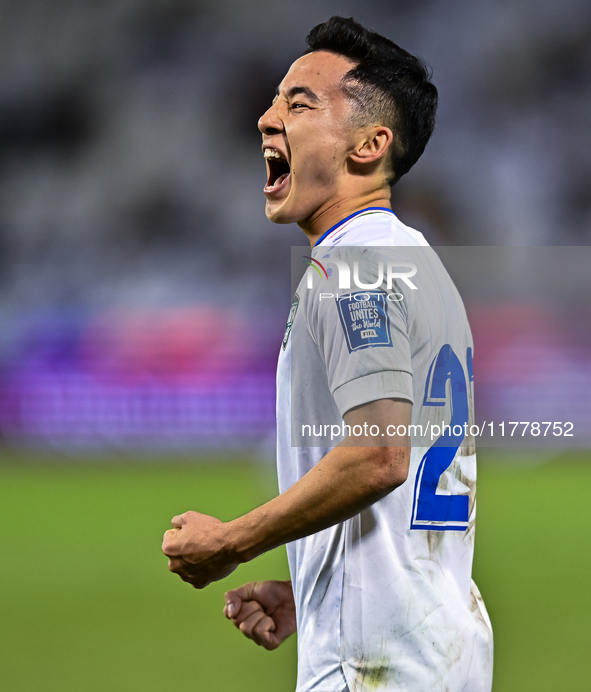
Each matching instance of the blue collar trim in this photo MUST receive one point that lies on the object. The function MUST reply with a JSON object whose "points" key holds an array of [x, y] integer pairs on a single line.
{"points": [[347, 218]]}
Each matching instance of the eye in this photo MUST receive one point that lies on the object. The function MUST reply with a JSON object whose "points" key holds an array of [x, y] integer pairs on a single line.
{"points": [[298, 105]]}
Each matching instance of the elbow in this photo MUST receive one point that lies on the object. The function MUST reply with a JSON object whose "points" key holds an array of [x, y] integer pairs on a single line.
{"points": [[391, 466]]}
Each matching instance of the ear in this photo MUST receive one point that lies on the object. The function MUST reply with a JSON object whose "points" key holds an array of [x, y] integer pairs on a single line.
{"points": [[371, 144]]}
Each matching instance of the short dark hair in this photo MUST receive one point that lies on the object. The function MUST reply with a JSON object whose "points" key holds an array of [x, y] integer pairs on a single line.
{"points": [[388, 86]]}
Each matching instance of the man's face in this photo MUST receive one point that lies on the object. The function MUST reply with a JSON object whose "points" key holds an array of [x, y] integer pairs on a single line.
{"points": [[306, 138]]}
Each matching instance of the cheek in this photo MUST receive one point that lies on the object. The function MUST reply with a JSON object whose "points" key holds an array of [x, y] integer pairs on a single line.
{"points": [[319, 166]]}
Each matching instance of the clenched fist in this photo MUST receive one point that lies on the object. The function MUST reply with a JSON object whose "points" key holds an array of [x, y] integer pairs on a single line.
{"points": [[198, 549], [263, 611]]}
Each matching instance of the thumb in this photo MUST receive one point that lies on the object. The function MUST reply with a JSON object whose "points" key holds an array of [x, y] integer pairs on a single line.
{"points": [[234, 598], [233, 604]]}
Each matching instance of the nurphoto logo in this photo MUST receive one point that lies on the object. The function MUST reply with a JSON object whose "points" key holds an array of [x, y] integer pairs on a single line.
{"points": [[392, 272]]}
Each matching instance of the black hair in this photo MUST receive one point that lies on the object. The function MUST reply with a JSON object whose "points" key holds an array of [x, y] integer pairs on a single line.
{"points": [[388, 86]]}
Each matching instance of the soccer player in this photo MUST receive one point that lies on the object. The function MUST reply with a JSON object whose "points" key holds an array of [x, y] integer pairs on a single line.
{"points": [[379, 522]]}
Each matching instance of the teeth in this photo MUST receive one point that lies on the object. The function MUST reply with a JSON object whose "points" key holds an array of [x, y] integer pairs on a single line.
{"points": [[272, 154]]}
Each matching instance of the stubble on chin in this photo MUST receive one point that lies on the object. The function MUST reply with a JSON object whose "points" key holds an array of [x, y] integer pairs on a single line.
{"points": [[274, 214]]}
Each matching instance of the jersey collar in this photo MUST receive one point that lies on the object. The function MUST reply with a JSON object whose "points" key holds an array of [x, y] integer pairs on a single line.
{"points": [[348, 218]]}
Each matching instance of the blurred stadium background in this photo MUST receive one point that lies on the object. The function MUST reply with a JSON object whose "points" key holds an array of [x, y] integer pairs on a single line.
{"points": [[143, 296]]}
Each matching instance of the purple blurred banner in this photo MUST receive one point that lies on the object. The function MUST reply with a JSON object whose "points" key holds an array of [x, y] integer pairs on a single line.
{"points": [[176, 379], [200, 378], [532, 363]]}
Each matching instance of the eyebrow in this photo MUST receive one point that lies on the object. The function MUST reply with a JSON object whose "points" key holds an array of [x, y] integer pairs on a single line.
{"points": [[294, 91]]}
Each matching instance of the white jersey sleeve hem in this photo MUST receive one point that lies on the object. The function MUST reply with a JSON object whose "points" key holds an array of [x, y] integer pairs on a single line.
{"points": [[388, 384]]}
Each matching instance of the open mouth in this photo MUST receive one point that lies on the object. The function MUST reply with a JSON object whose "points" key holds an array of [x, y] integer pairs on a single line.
{"points": [[278, 170]]}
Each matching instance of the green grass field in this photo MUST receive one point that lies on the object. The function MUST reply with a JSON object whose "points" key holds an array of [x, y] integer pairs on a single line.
{"points": [[87, 604]]}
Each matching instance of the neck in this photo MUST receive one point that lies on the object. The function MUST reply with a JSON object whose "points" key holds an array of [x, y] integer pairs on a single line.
{"points": [[336, 210]]}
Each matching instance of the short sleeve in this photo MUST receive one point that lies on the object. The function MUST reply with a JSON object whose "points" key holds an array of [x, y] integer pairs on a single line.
{"points": [[362, 338]]}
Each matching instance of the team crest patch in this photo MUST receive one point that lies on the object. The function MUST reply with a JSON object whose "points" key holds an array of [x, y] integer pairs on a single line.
{"points": [[365, 321], [292, 313]]}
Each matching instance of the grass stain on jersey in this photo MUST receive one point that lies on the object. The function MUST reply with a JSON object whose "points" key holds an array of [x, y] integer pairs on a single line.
{"points": [[372, 673], [435, 544]]}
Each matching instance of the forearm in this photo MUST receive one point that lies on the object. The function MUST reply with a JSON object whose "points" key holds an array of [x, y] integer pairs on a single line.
{"points": [[344, 482], [202, 549]]}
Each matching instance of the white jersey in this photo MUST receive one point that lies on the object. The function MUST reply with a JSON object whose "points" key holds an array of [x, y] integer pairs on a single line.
{"points": [[384, 600]]}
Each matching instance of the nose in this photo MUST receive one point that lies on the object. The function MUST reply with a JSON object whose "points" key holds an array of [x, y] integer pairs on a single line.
{"points": [[270, 123]]}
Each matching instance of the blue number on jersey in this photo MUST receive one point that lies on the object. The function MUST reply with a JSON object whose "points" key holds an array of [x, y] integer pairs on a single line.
{"points": [[432, 511]]}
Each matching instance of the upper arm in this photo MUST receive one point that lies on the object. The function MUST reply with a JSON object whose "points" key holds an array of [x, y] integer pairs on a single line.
{"points": [[382, 427]]}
